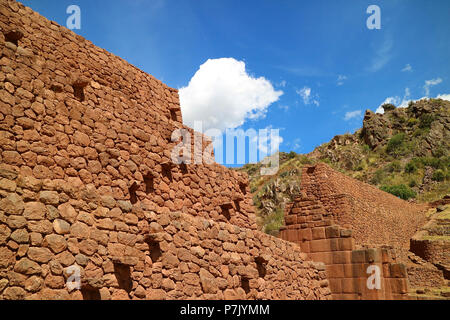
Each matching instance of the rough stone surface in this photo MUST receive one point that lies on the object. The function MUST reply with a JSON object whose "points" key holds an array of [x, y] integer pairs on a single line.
{"points": [[315, 221], [88, 183]]}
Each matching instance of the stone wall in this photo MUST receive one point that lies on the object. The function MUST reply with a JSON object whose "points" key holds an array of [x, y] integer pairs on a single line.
{"points": [[127, 252], [312, 227], [72, 111], [86, 181], [425, 276], [436, 252], [375, 217]]}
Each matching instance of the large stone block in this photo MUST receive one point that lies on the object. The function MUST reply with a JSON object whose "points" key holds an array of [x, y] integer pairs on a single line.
{"points": [[35, 211], [342, 257], [397, 270], [346, 244], [359, 256], [318, 233], [322, 245], [335, 271]]}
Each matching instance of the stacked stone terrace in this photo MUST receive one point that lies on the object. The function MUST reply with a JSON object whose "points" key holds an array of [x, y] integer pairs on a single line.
{"points": [[314, 229], [375, 217], [350, 226], [86, 179]]}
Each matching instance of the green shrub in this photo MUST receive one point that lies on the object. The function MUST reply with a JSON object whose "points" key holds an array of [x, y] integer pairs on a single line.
{"points": [[402, 191], [361, 166], [410, 167], [439, 152], [273, 222], [420, 132], [426, 120], [284, 174], [305, 160], [378, 176], [413, 183], [412, 122], [292, 155], [394, 166], [434, 162], [396, 145], [366, 148], [438, 175], [388, 107]]}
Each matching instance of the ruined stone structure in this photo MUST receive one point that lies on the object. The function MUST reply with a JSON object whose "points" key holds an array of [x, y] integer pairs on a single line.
{"points": [[373, 215], [86, 179], [349, 226], [337, 220], [435, 251], [313, 228]]}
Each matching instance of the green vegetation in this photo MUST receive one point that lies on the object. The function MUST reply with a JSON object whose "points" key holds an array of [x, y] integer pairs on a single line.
{"points": [[402, 191], [412, 122], [388, 107], [305, 160], [273, 222], [292, 155], [410, 167], [438, 175], [378, 176], [394, 166], [412, 183], [284, 174], [444, 215], [397, 146], [426, 120]]}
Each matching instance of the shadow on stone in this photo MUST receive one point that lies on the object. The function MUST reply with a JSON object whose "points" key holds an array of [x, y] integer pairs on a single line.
{"points": [[123, 276]]}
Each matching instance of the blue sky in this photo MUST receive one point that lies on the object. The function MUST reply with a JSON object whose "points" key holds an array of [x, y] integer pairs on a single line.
{"points": [[320, 47]]}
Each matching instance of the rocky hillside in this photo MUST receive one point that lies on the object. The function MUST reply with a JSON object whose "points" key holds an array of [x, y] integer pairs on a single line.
{"points": [[405, 151]]}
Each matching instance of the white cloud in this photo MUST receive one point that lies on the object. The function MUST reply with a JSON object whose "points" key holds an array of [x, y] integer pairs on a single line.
{"points": [[284, 107], [305, 93], [383, 55], [407, 68], [223, 95], [444, 96], [407, 93], [403, 103], [391, 100], [396, 101], [352, 114], [296, 144], [307, 96], [430, 83], [282, 84], [340, 79]]}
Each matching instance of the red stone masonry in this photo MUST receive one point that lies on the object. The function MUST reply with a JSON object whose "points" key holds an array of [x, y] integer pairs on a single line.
{"points": [[86, 181], [436, 252], [375, 217], [311, 227], [115, 138], [337, 219]]}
